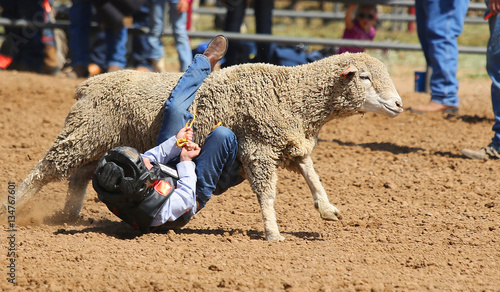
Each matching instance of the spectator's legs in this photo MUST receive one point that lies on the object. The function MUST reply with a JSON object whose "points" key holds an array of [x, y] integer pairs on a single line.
{"points": [[80, 15], [421, 16], [444, 24], [116, 43], [156, 13], [235, 15], [182, 43], [493, 68], [50, 63], [176, 114], [216, 165], [98, 52], [234, 19], [264, 24], [141, 49]]}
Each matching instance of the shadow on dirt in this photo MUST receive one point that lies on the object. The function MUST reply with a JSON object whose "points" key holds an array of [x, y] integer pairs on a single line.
{"points": [[475, 119], [121, 230], [382, 146], [396, 149], [449, 154]]}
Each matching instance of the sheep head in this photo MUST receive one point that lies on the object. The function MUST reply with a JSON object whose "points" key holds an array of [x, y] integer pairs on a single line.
{"points": [[381, 95]]}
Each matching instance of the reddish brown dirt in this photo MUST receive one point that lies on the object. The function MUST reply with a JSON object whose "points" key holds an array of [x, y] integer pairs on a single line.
{"points": [[417, 215]]}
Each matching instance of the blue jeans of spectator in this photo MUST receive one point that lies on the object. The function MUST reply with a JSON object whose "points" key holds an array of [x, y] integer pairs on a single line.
{"points": [[178, 22], [234, 19], [80, 15], [439, 23], [141, 49], [493, 68], [117, 47], [216, 166]]}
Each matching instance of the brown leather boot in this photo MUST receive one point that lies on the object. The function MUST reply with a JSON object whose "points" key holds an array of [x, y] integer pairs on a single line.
{"points": [[216, 50], [434, 107]]}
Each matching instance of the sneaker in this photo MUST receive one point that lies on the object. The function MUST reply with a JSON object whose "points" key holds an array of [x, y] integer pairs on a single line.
{"points": [[488, 152]]}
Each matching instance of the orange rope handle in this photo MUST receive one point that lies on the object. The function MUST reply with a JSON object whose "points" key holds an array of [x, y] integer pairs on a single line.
{"points": [[192, 122], [218, 124], [183, 141]]}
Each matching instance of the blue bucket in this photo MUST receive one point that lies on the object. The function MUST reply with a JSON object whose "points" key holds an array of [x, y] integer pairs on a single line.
{"points": [[420, 81]]}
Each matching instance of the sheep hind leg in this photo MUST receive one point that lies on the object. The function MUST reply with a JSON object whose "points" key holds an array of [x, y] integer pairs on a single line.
{"points": [[321, 203], [77, 188], [43, 173], [265, 188]]}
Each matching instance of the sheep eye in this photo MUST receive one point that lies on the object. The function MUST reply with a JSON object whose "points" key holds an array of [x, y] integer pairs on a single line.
{"points": [[365, 77]]}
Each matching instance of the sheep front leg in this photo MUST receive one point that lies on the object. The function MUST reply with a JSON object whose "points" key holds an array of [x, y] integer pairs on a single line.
{"points": [[321, 203], [263, 177]]}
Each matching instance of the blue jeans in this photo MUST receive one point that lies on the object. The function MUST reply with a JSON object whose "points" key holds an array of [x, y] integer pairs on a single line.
{"points": [[439, 23], [141, 49], [234, 18], [216, 166], [493, 68], [80, 15], [178, 22]]}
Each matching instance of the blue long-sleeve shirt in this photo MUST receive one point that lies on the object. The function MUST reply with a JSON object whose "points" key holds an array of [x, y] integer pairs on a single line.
{"points": [[183, 198]]}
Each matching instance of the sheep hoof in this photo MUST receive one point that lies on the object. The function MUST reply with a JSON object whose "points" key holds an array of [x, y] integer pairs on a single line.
{"points": [[331, 216], [275, 237], [328, 211]]}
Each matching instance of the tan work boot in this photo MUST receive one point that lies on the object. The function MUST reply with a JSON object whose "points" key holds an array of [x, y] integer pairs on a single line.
{"points": [[159, 65], [488, 152], [50, 63], [216, 50]]}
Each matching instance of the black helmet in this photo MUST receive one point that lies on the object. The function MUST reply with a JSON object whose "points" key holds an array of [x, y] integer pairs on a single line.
{"points": [[122, 177]]}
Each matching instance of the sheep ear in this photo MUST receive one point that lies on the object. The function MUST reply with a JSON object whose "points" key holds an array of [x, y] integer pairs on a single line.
{"points": [[350, 70]]}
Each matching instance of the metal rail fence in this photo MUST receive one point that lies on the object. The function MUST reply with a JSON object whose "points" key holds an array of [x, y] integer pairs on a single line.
{"points": [[290, 40], [328, 15]]}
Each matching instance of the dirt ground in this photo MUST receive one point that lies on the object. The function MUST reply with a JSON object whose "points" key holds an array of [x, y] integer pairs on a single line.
{"points": [[416, 214]]}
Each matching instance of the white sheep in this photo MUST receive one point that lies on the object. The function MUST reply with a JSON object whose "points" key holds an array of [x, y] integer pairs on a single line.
{"points": [[275, 112]]}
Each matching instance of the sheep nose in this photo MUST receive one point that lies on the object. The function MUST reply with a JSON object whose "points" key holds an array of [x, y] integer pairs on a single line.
{"points": [[399, 104]]}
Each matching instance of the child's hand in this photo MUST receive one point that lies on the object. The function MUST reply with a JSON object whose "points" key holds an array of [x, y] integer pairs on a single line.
{"points": [[186, 132], [190, 151]]}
